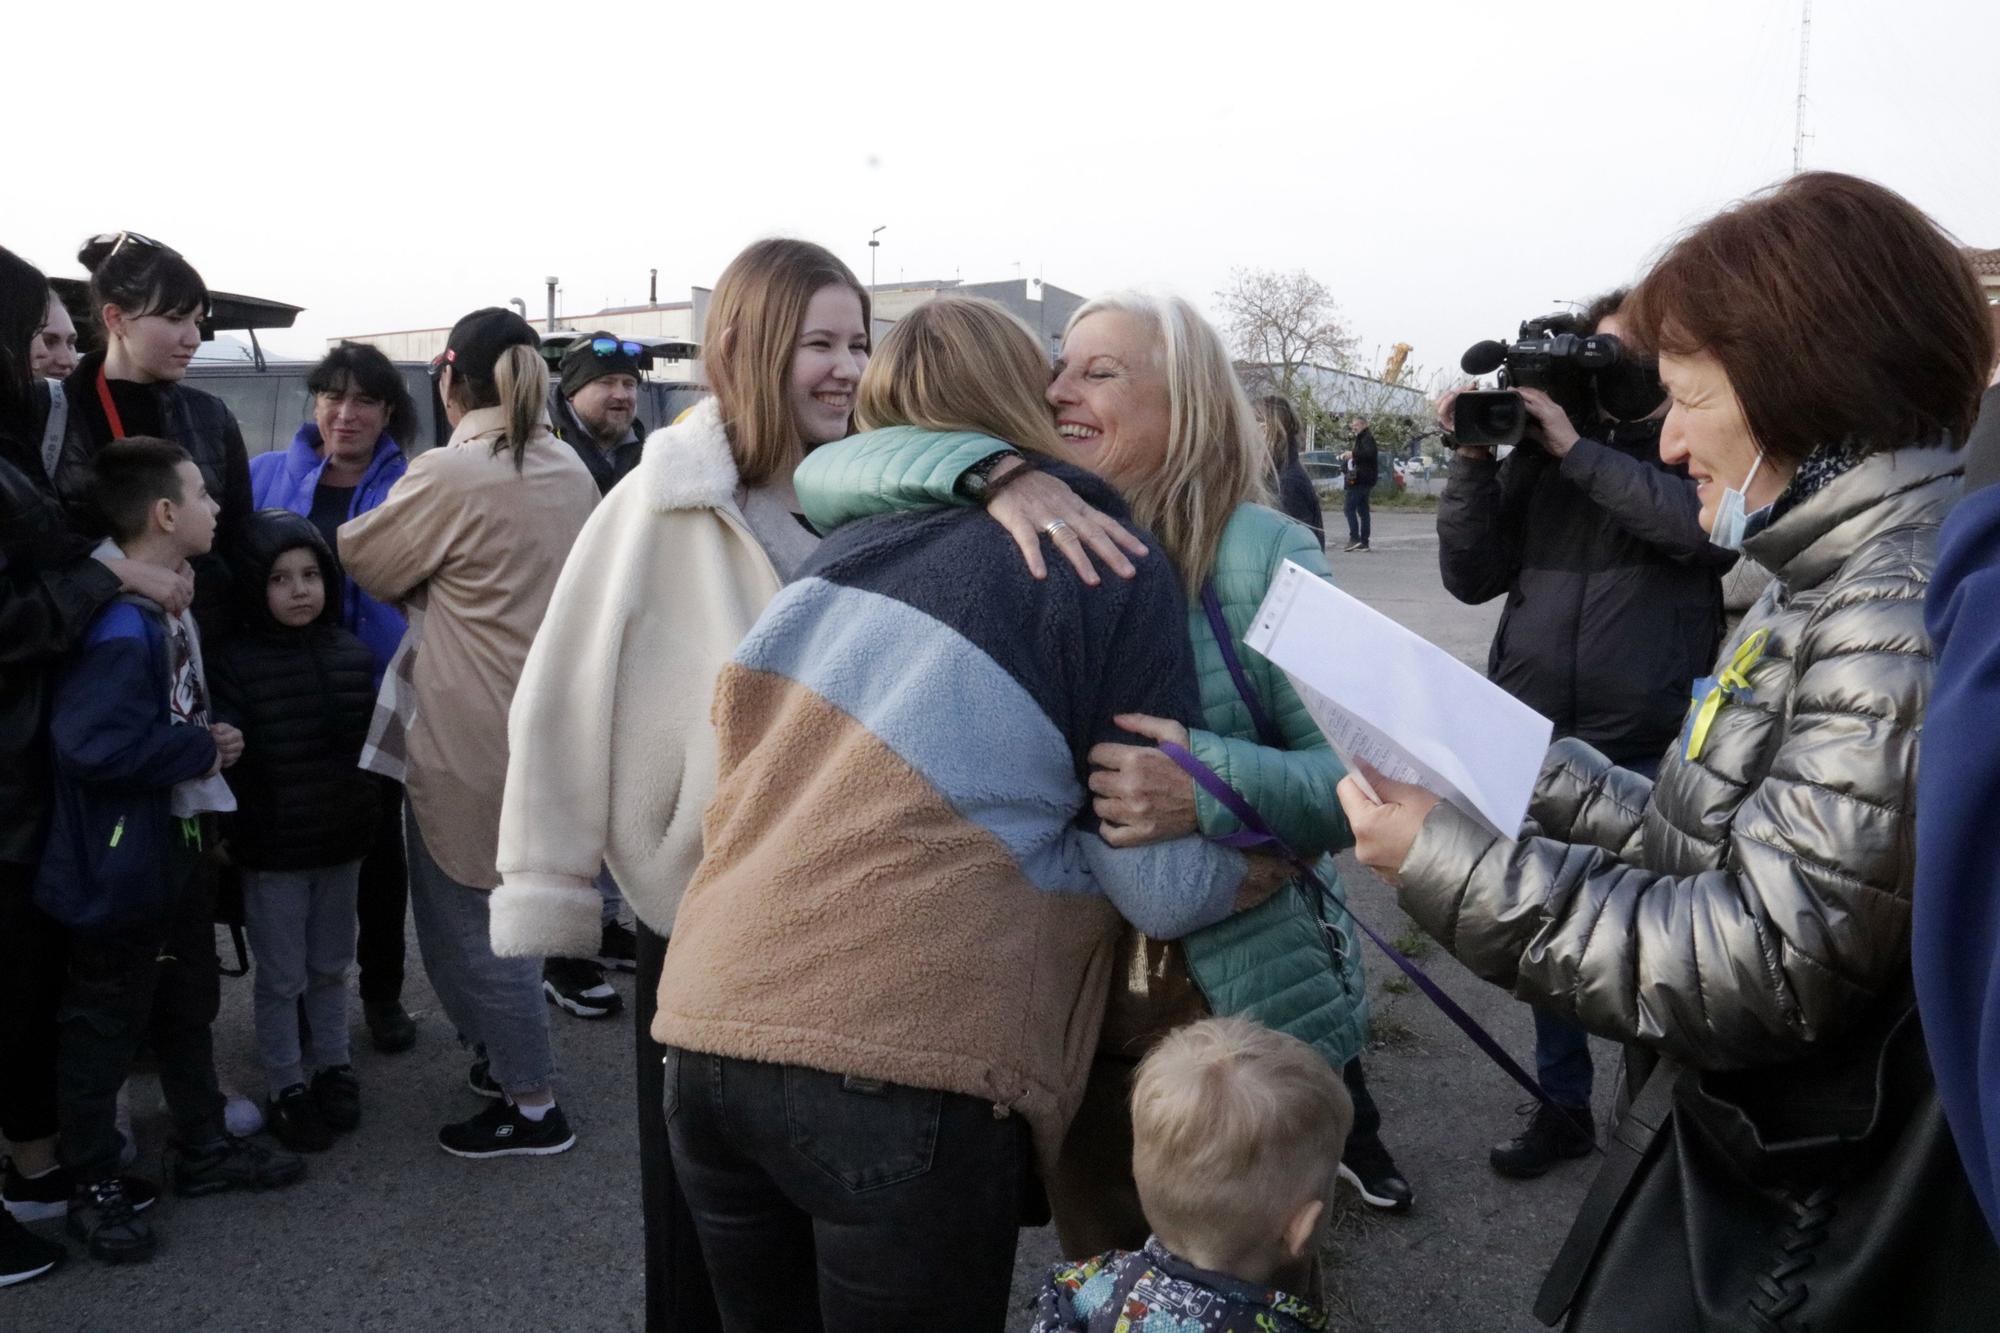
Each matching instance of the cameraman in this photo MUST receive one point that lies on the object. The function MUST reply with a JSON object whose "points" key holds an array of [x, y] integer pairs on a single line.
{"points": [[1614, 606]]}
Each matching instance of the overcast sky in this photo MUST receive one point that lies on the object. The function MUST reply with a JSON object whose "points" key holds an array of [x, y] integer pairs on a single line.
{"points": [[1446, 168]]}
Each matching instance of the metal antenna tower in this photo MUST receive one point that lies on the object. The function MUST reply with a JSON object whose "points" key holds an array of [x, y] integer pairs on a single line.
{"points": [[1799, 135]]}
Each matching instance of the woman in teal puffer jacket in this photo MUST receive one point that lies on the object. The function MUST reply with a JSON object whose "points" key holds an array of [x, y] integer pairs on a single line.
{"points": [[1145, 393]]}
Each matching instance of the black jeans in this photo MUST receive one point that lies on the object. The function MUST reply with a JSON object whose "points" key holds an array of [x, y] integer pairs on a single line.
{"points": [[1355, 506], [832, 1203], [34, 957], [383, 904], [679, 1298], [157, 985]]}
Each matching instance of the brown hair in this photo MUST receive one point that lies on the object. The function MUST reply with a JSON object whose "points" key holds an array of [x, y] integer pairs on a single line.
{"points": [[961, 363], [1281, 428], [753, 326], [1838, 309], [129, 476]]}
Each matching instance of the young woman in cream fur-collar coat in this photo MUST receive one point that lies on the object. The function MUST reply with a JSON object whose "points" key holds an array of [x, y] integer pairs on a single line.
{"points": [[611, 755]]}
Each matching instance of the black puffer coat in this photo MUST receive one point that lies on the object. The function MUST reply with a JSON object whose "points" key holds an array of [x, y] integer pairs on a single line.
{"points": [[50, 589], [303, 698]]}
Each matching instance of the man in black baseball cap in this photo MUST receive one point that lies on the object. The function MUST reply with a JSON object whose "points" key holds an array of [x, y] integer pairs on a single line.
{"points": [[595, 410]]}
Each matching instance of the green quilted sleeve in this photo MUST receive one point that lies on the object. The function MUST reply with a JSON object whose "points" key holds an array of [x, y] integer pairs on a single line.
{"points": [[885, 471], [1292, 788]]}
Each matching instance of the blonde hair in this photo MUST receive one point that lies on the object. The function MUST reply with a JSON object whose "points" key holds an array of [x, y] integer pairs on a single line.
{"points": [[520, 384], [753, 326], [1234, 1126], [1215, 458], [961, 363]]}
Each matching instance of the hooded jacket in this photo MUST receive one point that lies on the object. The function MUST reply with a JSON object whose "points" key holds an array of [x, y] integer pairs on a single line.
{"points": [[286, 479], [1614, 598], [119, 756], [1752, 906], [302, 698]]}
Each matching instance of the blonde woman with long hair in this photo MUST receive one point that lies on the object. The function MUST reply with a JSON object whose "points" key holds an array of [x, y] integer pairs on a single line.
{"points": [[889, 970], [1144, 394], [613, 757], [469, 540]]}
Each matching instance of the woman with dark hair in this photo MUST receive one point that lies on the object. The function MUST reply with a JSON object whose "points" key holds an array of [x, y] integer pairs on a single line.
{"points": [[1296, 496], [341, 464], [50, 589], [151, 303], [470, 542], [1742, 922]]}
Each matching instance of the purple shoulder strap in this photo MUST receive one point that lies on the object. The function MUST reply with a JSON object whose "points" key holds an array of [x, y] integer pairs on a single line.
{"points": [[1267, 734], [1259, 834]]}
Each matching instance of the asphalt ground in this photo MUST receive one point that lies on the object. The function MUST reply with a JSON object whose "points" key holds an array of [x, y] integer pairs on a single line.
{"points": [[388, 1232]]}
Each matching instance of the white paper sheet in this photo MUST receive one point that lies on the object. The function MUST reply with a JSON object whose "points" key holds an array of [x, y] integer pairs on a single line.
{"points": [[1400, 703]]}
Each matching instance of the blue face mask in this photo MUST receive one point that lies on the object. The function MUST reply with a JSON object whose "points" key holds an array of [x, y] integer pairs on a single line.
{"points": [[1733, 523]]}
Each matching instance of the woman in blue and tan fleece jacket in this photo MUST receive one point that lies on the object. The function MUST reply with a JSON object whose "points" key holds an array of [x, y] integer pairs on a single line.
{"points": [[887, 976]]}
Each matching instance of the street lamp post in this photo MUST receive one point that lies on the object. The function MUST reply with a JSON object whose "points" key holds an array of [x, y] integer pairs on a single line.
{"points": [[874, 246]]}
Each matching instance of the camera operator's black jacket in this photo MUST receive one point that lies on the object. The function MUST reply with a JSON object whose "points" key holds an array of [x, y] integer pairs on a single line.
{"points": [[1614, 597]]}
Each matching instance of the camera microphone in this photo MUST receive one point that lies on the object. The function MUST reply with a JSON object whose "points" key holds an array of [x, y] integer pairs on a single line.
{"points": [[1483, 358]]}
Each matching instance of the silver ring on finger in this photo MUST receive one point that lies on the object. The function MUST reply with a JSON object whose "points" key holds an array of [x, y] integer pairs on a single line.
{"points": [[1055, 527]]}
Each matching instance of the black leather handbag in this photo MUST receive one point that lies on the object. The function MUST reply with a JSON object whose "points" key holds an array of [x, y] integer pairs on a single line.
{"points": [[1817, 1197]]}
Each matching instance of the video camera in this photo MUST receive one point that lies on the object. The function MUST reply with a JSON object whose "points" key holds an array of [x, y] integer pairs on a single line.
{"points": [[1579, 371]]}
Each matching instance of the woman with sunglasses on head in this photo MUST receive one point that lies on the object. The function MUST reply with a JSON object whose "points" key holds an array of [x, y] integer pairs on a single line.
{"points": [[150, 303], [342, 464], [613, 757]]}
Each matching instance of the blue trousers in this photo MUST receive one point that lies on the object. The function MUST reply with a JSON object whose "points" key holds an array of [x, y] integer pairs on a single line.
{"points": [[1562, 1049], [1355, 506]]}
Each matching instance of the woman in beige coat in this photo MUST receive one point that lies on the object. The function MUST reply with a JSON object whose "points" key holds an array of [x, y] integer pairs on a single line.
{"points": [[1743, 922], [471, 538], [613, 758]]}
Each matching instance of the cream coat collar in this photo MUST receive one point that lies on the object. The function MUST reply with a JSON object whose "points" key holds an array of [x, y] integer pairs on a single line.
{"points": [[688, 465]]}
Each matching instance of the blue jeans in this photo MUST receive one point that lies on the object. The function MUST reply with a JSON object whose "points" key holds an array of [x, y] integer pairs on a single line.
{"points": [[831, 1203], [1355, 506], [1562, 1049]]}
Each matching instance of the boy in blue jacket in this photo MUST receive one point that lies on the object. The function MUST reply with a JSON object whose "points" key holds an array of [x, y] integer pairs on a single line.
{"points": [[137, 766]]}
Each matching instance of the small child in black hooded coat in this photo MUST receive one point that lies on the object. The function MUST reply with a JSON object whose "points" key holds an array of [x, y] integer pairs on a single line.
{"points": [[301, 689]]}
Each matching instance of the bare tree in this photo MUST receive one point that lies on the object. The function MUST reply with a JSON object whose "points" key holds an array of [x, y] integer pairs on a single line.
{"points": [[1284, 321]]}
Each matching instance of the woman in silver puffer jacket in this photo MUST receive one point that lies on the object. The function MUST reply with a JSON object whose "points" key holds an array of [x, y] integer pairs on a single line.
{"points": [[1747, 916]]}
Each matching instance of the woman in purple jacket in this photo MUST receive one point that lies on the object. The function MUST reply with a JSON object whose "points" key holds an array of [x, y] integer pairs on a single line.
{"points": [[340, 464]]}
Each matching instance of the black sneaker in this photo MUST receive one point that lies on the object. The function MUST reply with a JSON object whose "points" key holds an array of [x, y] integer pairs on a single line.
{"points": [[1352, 546], [46, 1197], [480, 1079], [390, 1025], [103, 1218], [1551, 1136], [1367, 1166], [23, 1254], [502, 1131], [618, 948], [293, 1118], [338, 1095], [230, 1163], [578, 985]]}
